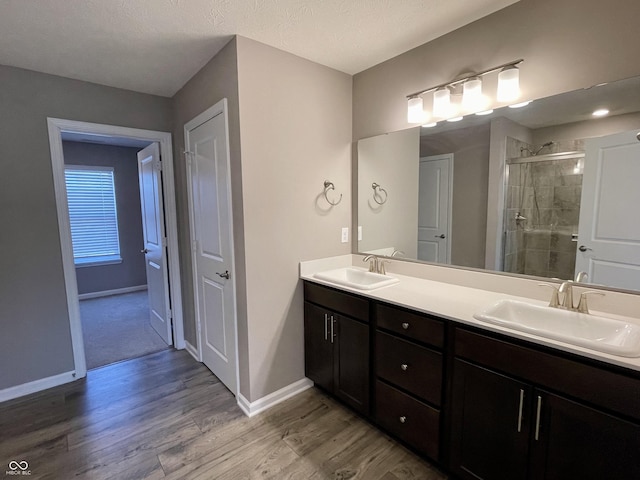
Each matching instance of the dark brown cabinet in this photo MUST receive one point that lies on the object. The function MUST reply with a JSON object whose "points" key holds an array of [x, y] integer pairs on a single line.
{"points": [[337, 345], [409, 377], [488, 406], [506, 428]]}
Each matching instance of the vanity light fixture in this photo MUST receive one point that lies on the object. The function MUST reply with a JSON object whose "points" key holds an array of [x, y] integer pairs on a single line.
{"points": [[454, 119], [601, 112], [432, 124], [486, 112], [441, 102], [415, 110], [508, 84], [473, 99]]}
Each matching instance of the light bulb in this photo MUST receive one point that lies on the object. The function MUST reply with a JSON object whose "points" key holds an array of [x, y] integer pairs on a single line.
{"points": [[508, 84], [472, 98], [415, 112], [441, 102]]}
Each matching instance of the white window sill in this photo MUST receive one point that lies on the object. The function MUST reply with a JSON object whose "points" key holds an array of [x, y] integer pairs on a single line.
{"points": [[96, 262]]}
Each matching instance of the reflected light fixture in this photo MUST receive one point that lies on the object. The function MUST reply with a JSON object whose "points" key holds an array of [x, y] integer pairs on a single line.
{"points": [[520, 105], [473, 98], [601, 112], [415, 110]]}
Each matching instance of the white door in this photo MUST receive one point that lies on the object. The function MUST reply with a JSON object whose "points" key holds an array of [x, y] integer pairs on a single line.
{"points": [[434, 208], [155, 242], [608, 246], [210, 209]]}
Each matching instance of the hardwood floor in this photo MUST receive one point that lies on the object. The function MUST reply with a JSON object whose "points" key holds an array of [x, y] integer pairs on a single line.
{"points": [[166, 416]]}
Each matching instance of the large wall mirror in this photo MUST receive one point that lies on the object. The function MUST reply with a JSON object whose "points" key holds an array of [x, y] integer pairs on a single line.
{"points": [[545, 190]]}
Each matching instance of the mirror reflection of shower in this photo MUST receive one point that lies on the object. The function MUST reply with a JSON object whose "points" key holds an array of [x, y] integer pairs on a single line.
{"points": [[542, 207]]}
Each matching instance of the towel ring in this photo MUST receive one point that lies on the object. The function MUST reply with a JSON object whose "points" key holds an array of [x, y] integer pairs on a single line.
{"points": [[330, 186], [377, 189]]}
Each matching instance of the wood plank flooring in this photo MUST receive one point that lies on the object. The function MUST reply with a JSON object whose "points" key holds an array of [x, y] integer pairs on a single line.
{"points": [[165, 416]]}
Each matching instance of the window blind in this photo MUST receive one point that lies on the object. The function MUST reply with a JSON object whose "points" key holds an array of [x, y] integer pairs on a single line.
{"points": [[93, 215]]}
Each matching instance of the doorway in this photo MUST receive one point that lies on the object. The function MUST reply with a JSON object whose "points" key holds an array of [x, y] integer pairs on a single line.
{"points": [[166, 236]]}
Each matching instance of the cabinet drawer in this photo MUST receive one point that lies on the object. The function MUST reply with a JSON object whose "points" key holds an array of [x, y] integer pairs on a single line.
{"points": [[412, 421], [355, 307], [411, 325], [409, 366]]}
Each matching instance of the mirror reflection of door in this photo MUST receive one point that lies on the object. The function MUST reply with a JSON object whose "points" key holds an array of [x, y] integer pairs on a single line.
{"points": [[608, 246], [434, 208]]}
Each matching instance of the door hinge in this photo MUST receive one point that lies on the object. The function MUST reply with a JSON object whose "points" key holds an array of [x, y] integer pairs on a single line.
{"points": [[158, 165]]}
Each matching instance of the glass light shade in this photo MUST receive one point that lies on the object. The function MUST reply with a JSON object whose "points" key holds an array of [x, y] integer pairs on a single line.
{"points": [[508, 84], [472, 98], [441, 102], [415, 112]]}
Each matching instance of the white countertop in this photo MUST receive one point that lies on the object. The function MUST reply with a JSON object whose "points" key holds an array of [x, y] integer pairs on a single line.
{"points": [[455, 303]]}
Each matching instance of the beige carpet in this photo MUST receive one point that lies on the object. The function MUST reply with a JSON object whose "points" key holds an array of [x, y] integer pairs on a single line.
{"points": [[117, 328]]}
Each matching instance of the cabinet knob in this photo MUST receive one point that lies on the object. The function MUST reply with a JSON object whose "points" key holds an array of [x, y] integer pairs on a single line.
{"points": [[405, 326], [404, 366], [403, 419]]}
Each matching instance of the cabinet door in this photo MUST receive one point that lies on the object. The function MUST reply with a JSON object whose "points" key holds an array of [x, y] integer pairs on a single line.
{"points": [[490, 427], [351, 362], [575, 441], [318, 348]]}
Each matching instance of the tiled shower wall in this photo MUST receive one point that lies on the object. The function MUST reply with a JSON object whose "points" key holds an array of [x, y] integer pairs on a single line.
{"points": [[547, 194]]}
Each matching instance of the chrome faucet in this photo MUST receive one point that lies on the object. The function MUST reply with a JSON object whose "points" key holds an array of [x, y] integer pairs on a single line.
{"points": [[567, 289], [581, 277], [397, 253], [373, 262], [376, 265]]}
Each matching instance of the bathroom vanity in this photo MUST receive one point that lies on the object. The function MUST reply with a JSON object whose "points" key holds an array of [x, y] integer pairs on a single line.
{"points": [[479, 401]]}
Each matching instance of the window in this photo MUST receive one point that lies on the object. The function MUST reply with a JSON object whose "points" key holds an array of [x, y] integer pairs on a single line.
{"points": [[92, 212]]}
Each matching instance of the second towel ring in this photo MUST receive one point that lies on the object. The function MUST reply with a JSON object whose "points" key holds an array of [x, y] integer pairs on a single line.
{"points": [[377, 190], [330, 186]]}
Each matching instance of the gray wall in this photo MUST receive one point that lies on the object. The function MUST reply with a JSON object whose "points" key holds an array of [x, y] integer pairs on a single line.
{"points": [[35, 342], [566, 44], [295, 119], [124, 161], [470, 147]]}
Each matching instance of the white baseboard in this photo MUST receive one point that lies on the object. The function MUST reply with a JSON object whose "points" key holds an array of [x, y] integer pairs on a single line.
{"points": [[192, 350], [108, 293], [36, 386], [253, 408]]}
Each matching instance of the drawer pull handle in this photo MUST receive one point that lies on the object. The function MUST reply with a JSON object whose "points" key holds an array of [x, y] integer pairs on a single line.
{"points": [[404, 367], [520, 410], [537, 436], [403, 419], [405, 325]]}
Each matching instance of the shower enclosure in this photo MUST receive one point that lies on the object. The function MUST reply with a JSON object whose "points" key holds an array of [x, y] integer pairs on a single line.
{"points": [[542, 208]]}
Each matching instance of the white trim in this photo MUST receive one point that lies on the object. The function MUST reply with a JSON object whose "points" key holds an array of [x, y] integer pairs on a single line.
{"points": [[108, 293], [192, 350], [253, 408], [219, 108], [56, 127], [37, 385]]}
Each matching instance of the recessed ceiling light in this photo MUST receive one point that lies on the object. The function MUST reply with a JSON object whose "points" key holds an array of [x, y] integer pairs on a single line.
{"points": [[486, 112], [455, 119], [519, 105], [430, 125], [600, 112]]}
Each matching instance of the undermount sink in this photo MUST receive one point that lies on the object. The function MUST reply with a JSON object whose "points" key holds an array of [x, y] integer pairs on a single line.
{"points": [[356, 278], [585, 330]]}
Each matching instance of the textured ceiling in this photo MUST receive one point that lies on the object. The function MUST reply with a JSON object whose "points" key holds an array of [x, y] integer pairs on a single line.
{"points": [[155, 46]]}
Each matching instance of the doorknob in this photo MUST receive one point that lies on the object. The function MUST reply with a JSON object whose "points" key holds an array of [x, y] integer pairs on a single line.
{"points": [[582, 248], [439, 236], [145, 251], [224, 275]]}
